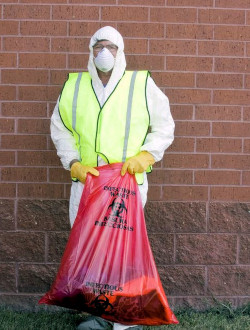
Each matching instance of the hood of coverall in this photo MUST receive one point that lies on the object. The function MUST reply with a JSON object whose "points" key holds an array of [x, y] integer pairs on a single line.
{"points": [[112, 35]]}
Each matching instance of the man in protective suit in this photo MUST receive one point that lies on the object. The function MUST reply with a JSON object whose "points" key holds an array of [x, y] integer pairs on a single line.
{"points": [[110, 115]]}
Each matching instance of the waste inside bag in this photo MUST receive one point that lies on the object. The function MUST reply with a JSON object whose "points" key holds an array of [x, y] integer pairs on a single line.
{"points": [[108, 268]]}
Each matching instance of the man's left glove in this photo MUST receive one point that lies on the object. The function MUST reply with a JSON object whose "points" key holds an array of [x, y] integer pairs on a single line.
{"points": [[80, 171], [138, 163]]}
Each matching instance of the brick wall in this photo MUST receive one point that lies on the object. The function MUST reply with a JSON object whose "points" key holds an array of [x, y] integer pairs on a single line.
{"points": [[198, 210]]}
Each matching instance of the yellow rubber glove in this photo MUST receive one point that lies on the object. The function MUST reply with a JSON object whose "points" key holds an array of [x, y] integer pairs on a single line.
{"points": [[80, 171], [138, 163]]}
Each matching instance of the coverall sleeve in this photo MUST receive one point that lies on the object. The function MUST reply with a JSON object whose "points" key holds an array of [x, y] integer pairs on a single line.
{"points": [[63, 139], [161, 122]]}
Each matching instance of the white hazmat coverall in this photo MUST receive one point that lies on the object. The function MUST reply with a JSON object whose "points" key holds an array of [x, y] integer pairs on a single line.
{"points": [[161, 121]]}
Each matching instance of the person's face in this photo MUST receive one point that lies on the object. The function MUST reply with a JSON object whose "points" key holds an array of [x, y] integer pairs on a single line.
{"points": [[105, 44]]}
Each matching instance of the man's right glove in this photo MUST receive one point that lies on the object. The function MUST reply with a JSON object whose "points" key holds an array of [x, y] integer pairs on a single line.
{"points": [[138, 163], [80, 171]]}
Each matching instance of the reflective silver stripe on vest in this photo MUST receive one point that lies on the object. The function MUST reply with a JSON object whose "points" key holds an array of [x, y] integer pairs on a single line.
{"points": [[74, 104], [128, 119]]}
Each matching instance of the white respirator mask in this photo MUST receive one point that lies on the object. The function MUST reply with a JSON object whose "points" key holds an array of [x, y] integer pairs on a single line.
{"points": [[104, 60]]}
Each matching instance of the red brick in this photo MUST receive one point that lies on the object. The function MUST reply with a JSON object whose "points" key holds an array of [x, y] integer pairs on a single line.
{"points": [[28, 142], [233, 217], [124, 13], [162, 248], [246, 113], [39, 93], [58, 77], [173, 15], [136, 46], [141, 30], [208, 112], [145, 62], [26, 174], [154, 193], [247, 81], [189, 96], [45, 1], [206, 249], [237, 194], [76, 61], [8, 190], [190, 31], [172, 47], [7, 157], [186, 161], [232, 4], [232, 32], [175, 217], [182, 145], [185, 193], [26, 12], [86, 29], [7, 60], [22, 246], [24, 109], [7, 92], [35, 278], [209, 177], [56, 245], [246, 178], [43, 28], [33, 44], [232, 65], [218, 16], [141, 2], [231, 129], [192, 128], [42, 60], [183, 280], [46, 190], [51, 108], [38, 158], [7, 125], [239, 162], [244, 257], [237, 97], [43, 215], [35, 126], [215, 145], [188, 63], [174, 79], [229, 280], [75, 12], [7, 278], [247, 146], [8, 27], [221, 48], [161, 176], [248, 17], [70, 45], [67, 188], [181, 112], [15, 76], [59, 175], [192, 3]]}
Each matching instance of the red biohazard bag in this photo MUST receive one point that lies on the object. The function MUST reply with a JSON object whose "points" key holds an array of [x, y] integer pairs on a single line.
{"points": [[108, 268]]}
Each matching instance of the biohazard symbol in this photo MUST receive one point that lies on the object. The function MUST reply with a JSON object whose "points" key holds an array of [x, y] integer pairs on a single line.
{"points": [[102, 304], [117, 208]]}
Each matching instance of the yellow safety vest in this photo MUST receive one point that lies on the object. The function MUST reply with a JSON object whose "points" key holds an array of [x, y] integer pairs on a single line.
{"points": [[114, 131]]}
